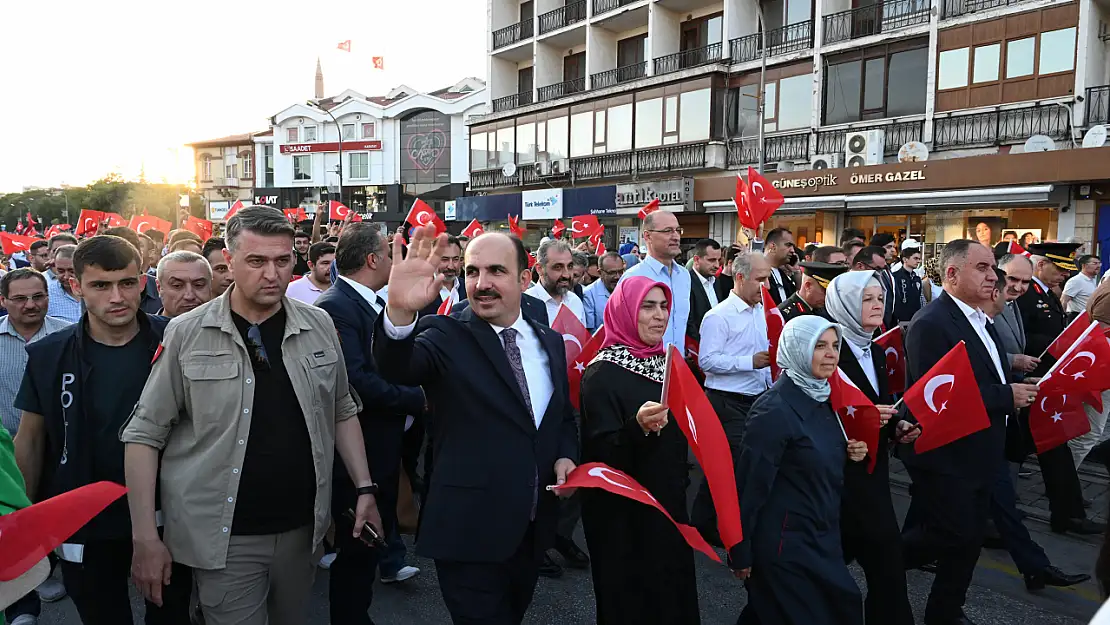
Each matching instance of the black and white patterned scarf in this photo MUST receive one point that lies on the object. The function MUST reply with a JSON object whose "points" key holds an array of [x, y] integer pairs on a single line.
{"points": [[651, 368]]}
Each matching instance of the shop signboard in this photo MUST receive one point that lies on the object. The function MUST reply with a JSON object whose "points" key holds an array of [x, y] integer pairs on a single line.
{"points": [[218, 210], [450, 208], [542, 204], [675, 195], [348, 146]]}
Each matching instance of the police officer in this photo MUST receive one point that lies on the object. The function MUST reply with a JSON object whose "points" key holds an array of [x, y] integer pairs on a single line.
{"points": [[810, 297], [1044, 320], [908, 296]]}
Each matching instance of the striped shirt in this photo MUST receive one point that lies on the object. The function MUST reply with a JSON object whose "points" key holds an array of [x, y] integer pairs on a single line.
{"points": [[62, 304], [13, 361]]}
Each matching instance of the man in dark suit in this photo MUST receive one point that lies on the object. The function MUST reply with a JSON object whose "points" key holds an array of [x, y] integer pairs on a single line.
{"points": [[448, 265], [488, 518], [364, 263], [778, 249], [703, 284], [952, 484], [873, 258], [531, 307]]}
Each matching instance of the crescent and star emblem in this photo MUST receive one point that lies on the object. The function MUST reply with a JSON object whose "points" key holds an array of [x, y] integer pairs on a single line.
{"points": [[931, 387], [572, 339], [1057, 416], [889, 351], [1079, 374], [423, 218]]}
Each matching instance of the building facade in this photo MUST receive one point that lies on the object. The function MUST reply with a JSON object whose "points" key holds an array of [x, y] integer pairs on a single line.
{"points": [[225, 171], [650, 94]]}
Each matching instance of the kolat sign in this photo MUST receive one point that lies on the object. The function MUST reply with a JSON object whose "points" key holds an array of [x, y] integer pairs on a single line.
{"points": [[348, 146], [542, 204]]}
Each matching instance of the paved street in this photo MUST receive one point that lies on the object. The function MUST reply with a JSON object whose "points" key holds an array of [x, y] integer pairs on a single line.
{"points": [[997, 597]]}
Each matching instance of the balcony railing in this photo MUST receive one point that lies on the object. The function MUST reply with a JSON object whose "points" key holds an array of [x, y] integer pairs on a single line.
{"points": [[511, 34], [896, 135], [510, 102], [495, 178], [790, 38], [1000, 127], [628, 73], [558, 90], [604, 6], [572, 13], [670, 158], [955, 8], [875, 18], [1098, 105], [602, 166], [689, 58], [790, 147]]}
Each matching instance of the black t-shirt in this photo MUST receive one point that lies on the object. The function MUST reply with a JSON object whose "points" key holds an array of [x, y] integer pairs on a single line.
{"points": [[300, 267], [277, 492], [116, 380]]}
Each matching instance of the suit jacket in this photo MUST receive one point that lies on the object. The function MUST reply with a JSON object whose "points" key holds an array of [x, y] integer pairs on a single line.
{"points": [[385, 405], [935, 330], [433, 308], [699, 304], [889, 296], [1044, 320], [1011, 331], [787, 284], [532, 308], [491, 461]]}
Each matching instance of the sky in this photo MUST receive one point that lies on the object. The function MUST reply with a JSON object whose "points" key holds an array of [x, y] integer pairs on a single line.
{"points": [[92, 87]]}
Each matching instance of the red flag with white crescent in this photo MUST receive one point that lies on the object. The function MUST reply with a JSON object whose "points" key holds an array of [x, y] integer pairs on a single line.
{"points": [[895, 354], [88, 222], [1083, 368], [473, 229], [575, 335], [558, 229], [763, 198], [775, 323], [515, 228], [1070, 334], [858, 415], [421, 215], [577, 367], [946, 401], [200, 227], [648, 209], [13, 243]]}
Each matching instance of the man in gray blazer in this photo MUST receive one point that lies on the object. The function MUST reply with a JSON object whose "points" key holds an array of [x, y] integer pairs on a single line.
{"points": [[1011, 330]]}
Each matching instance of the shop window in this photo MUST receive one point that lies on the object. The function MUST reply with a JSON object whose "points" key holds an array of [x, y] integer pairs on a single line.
{"points": [[360, 165], [987, 60], [302, 167], [1057, 51], [1019, 57], [953, 69], [477, 151], [880, 82]]}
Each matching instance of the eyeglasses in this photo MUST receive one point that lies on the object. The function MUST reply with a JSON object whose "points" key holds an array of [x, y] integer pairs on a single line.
{"points": [[258, 349], [21, 300], [668, 231], [615, 272]]}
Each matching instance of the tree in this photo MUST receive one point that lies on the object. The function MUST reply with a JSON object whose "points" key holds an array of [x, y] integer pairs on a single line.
{"points": [[109, 194]]}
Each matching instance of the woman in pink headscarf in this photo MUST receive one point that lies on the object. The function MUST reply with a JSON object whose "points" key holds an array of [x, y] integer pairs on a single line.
{"points": [[643, 570]]}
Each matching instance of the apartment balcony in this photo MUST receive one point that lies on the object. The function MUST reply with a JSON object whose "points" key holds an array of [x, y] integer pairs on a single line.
{"points": [[572, 13], [1098, 105], [787, 147], [618, 76], [713, 53], [790, 38], [604, 6], [513, 101], [1000, 127], [615, 165], [896, 135], [561, 89], [672, 158], [488, 179], [956, 8], [513, 34], [873, 19]]}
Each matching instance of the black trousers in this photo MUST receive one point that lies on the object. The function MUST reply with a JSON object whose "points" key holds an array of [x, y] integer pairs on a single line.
{"points": [[99, 587], [732, 409], [491, 593], [946, 523], [352, 575], [1061, 484]]}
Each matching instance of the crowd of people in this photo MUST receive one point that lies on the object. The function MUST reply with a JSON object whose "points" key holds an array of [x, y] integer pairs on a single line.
{"points": [[275, 400]]}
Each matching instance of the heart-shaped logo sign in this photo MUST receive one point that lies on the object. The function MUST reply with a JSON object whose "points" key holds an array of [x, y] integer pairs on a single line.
{"points": [[425, 149]]}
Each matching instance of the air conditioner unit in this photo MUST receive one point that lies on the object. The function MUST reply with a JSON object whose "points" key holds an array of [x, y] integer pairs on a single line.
{"points": [[543, 168], [560, 166], [826, 161], [864, 148]]}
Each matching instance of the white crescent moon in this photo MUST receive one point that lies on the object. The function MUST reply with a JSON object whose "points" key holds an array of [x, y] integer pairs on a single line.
{"points": [[573, 339], [423, 217], [757, 188], [891, 350], [1084, 354], [602, 471], [574, 227], [693, 428], [933, 384]]}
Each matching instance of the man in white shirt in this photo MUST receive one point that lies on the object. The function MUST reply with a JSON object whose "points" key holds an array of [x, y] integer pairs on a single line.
{"points": [[320, 257], [1080, 286], [554, 259], [663, 239]]}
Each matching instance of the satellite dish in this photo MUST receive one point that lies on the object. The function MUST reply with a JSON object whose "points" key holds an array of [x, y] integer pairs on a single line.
{"points": [[509, 170], [784, 166], [1039, 143], [1095, 137], [913, 152]]}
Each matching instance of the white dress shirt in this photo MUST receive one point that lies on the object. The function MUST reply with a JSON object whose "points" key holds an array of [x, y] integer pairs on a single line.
{"points": [[708, 285], [450, 292], [680, 282], [866, 363], [731, 334], [978, 320], [366, 292], [571, 299], [537, 366]]}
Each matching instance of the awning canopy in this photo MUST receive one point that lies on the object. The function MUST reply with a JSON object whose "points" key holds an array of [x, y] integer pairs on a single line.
{"points": [[995, 196]]}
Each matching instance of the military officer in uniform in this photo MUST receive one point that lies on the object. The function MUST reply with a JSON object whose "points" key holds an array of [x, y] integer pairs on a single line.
{"points": [[1044, 320], [810, 297], [908, 295]]}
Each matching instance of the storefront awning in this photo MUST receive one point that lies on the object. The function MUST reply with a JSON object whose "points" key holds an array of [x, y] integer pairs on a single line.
{"points": [[995, 196], [791, 205]]}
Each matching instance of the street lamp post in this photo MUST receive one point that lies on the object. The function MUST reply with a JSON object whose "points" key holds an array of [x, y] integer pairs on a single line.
{"points": [[339, 135], [762, 82]]}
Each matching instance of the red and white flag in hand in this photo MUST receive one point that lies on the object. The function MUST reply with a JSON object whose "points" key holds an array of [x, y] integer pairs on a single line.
{"points": [[1084, 367], [1014, 248], [515, 228], [338, 211], [473, 229], [1055, 418], [234, 209], [558, 229], [600, 250], [858, 415], [693, 414], [88, 222], [577, 367], [598, 475], [1069, 336], [946, 401], [13, 243], [895, 353], [762, 197], [421, 215], [344, 46], [574, 333], [114, 220], [200, 227], [648, 209], [775, 323], [584, 226], [743, 209], [60, 228], [142, 223], [595, 238], [379, 62]]}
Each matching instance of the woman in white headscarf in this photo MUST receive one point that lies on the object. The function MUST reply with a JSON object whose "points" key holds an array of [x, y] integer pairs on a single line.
{"points": [[790, 474], [868, 527]]}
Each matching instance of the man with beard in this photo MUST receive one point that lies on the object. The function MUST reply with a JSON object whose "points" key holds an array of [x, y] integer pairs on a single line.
{"points": [[40, 255], [301, 243], [63, 304], [318, 279], [184, 282], [779, 251], [452, 288], [554, 259], [221, 271], [611, 268], [663, 239]]}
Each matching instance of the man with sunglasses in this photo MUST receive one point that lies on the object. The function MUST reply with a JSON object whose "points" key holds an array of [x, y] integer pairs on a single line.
{"points": [[663, 239], [246, 405]]}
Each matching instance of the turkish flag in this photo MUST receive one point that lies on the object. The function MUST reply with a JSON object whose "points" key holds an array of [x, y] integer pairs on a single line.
{"points": [[295, 215], [344, 46], [584, 226], [1014, 248], [28, 535], [763, 198], [775, 323], [692, 346], [558, 229], [1069, 336], [891, 342], [515, 228], [447, 304], [338, 211], [575, 335], [1084, 367], [142, 223], [946, 401], [421, 215], [473, 229], [577, 367], [114, 220], [234, 209], [200, 227], [1094, 400], [88, 222], [598, 475], [531, 260], [1055, 418], [379, 62], [743, 209], [858, 415], [13, 243], [56, 229], [600, 250], [693, 414], [595, 238], [648, 209]]}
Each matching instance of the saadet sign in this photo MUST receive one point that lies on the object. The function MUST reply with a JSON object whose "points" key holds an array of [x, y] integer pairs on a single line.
{"points": [[542, 204], [348, 146]]}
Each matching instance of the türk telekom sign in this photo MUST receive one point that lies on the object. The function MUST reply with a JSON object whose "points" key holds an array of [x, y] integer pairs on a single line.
{"points": [[348, 146]]}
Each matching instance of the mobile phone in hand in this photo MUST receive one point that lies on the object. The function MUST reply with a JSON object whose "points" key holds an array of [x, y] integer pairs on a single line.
{"points": [[369, 536]]}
